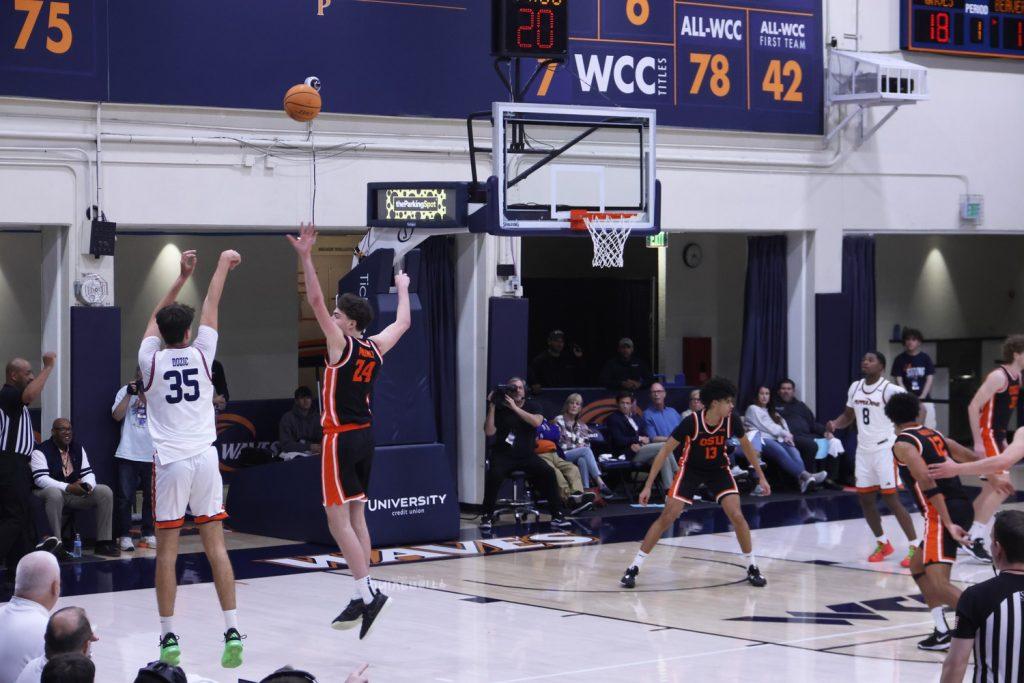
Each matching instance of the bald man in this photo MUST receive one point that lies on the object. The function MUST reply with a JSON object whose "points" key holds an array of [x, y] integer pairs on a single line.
{"points": [[64, 479], [67, 633], [21, 388], [23, 620]]}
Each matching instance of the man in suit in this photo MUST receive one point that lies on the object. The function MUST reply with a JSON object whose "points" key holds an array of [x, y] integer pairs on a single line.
{"points": [[627, 435]]}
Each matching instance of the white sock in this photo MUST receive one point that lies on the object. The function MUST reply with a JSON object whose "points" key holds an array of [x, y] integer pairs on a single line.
{"points": [[978, 530], [365, 588], [749, 559], [166, 626], [356, 593], [230, 619], [638, 561], [940, 619], [882, 539]]}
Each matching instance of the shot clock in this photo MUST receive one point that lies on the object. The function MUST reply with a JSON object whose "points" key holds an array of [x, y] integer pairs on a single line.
{"points": [[530, 28]]}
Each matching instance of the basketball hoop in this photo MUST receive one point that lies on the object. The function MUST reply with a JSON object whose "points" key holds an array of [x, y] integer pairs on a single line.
{"points": [[608, 231]]}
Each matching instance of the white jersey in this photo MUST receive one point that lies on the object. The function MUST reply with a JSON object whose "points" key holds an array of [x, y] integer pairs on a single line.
{"points": [[874, 430], [179, 396]]}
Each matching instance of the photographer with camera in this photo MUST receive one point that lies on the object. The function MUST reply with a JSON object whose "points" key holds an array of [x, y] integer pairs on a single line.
{"points": [[134, 462], [63, 478], [512, 421]]}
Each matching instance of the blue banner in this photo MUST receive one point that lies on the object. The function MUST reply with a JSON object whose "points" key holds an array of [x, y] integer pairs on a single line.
{"points": [[746, 65]]}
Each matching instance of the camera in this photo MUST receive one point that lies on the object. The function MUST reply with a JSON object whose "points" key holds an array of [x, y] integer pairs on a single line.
{"points": [[499, 394], [134, 388]]}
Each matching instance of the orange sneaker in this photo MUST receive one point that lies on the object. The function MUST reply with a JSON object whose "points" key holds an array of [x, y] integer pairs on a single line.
{"points": [[882, 551], [905, 563]]}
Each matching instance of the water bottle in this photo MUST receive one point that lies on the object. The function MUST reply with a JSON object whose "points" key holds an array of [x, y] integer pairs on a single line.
{"points": [[76, 550]]}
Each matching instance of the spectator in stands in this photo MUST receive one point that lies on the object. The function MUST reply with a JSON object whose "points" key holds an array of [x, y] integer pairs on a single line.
{"points": [[625, 372], [574, 439], [221, 396], [694, 406], [512, 422], [299, 432], [914, 371], [806, 430], [660, 419], [21, 388], [67, 632], [161, 672], [63, 477], [567, 475], [777, 440], [134, 463], [627, 435], [73, 668], [556, 366], [23, 620], [287, 674]]}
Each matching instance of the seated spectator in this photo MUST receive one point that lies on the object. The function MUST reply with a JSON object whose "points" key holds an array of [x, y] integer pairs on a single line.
{"points": [[625, 372], [806, 430], [63, 478], [299, 432], [68, 632], [512, 422], [73, 668], [574, 439], [134, 464], [660, 419], [567, 475], [23, 620], [694, 406], [627, 435], [556, 366], [777, 441]]}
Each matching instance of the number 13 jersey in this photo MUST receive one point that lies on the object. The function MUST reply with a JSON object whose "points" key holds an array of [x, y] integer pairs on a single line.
{"points": [[348, 384], [179, 396]]}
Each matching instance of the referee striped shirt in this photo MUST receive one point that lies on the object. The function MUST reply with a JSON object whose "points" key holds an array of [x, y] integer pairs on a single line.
{"points": [[15, 423], [992, 614]]}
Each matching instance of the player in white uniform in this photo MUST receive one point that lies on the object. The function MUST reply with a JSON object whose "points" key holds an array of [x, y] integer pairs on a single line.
{"points": [[186, 470], [875, 465]]}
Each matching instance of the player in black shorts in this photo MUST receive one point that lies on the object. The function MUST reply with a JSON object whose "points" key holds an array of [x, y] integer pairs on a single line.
{"points": [[944, 504], [700, 444], [353, 362]]}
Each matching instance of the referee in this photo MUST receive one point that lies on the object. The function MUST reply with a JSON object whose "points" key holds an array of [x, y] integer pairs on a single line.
{"points": [[990, 615], [21, 387]]}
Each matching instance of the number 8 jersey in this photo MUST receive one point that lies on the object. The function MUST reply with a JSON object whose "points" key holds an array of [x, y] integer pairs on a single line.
{"points": [[179, 396], [874, 429], [348, 384]]}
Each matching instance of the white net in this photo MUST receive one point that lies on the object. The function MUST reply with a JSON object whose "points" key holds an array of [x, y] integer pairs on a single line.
{"points": [[609, 235]]}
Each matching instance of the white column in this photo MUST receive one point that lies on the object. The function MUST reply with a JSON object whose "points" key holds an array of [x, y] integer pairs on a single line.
{"points": [[56, 318], [800, 320]]}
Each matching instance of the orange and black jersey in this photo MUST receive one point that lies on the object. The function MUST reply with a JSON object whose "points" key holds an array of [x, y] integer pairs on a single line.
{"points": [[934, 450], [349, 383], [702, 446], [995, 414]]}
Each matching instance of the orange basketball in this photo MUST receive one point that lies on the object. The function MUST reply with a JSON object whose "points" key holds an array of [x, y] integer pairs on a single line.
{"points": [[302, 102]]}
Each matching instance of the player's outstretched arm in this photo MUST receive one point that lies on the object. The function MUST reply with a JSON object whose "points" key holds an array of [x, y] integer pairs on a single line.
{"points": [[667, 449], [754, 458], [992, 384], [188, 264], [389, 336], [229, 260], [1000, 463], [303, 246]]}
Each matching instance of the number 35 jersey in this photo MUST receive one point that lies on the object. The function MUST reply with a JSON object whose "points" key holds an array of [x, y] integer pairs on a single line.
{"points": [[703, 446], [348, 384], [179, 396]]}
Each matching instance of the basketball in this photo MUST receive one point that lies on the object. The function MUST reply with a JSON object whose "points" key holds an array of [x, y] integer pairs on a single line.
{"points": [[302, 102]]}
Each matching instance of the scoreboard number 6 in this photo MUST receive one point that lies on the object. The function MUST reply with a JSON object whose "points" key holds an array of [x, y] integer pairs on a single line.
{"points": [[773, 80], [58, 10], [637, 11]]}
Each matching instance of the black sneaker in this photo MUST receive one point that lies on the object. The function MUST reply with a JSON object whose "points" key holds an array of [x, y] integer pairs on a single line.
{"points": [[372, 611], [49, 544], [936, 642], [560, 521], [586, 505], [106, 549], [977, 551], [486, 522], [349, 616], [580, 498], [62, 554], [754, 577], [628, 579]]}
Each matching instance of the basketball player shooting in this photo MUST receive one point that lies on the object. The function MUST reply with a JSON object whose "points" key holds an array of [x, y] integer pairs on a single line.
{"points": [[186, 469], [702, 437], [875, 467], [353, 362]]}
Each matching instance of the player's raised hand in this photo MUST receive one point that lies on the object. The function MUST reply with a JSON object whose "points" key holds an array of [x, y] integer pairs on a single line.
{"points": [[188, 263], [402, 281], [943, 470], [49, 359], [303, 244], [231, 257]]}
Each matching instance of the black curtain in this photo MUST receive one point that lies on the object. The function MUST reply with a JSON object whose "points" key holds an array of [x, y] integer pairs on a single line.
{"points": [[859, 291], [437, 296], [765, 306]]}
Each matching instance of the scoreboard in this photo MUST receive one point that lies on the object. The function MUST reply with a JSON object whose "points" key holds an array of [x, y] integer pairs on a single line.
{"points": [[743, 64], [982, 28]]}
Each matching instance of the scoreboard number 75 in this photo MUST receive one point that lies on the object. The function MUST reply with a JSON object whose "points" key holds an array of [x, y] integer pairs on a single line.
{"points": [[57, 25]]}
